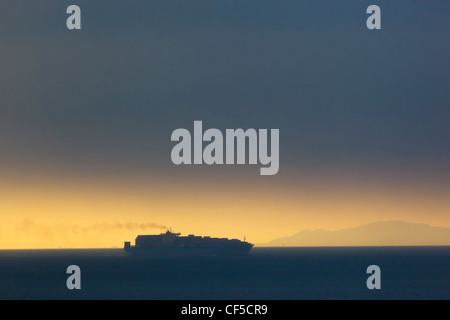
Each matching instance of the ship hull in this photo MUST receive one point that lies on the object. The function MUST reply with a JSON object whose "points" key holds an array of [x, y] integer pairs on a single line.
{"points": [[233, 251]]}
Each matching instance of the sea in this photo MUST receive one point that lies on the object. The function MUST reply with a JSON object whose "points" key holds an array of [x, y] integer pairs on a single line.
{"points": [[284, 273]]}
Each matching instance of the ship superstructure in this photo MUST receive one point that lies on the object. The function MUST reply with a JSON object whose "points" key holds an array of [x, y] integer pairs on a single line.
{"points": [[173, 243]]}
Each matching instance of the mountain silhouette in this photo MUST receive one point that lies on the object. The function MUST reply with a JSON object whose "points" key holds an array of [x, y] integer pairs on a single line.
{"points": [[387, 233]]}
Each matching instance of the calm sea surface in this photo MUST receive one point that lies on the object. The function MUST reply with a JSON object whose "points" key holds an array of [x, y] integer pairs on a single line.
{"points": [[268, 273]]}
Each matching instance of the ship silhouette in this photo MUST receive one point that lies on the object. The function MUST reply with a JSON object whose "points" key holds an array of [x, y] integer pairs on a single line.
{"points": [[170, 243]]}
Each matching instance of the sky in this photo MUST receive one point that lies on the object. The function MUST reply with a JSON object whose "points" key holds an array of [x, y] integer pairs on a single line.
{"points": [[86, 117]]}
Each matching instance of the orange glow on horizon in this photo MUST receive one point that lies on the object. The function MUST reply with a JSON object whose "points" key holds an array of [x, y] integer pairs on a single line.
{"points": [[106, 213]]}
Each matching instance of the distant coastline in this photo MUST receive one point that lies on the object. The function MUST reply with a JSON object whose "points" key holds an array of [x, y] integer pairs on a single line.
{"points": [[386, 233]]}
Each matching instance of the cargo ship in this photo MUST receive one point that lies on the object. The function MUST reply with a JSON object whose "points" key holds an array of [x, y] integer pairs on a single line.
{"points": [[170, 243]]}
